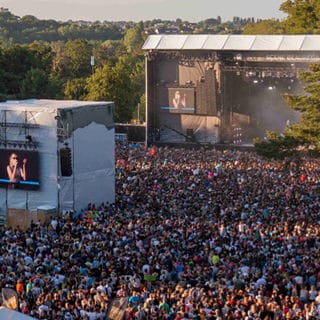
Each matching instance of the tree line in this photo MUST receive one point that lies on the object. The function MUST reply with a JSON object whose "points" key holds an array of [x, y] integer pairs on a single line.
{"points": [[28, 28], [77, 68]]}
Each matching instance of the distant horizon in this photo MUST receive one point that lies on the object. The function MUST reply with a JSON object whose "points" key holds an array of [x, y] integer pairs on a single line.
{"points": [[144, 10]]}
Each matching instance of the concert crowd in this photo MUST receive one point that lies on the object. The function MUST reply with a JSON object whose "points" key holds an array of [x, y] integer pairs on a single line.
{"points": [[193, 234]]}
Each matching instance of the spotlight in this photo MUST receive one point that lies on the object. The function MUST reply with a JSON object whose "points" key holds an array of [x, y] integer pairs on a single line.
{"points": [[238, 56]]}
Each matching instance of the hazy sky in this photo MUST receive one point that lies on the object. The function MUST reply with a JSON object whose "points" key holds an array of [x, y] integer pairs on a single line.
{"points": [[136, 10]]}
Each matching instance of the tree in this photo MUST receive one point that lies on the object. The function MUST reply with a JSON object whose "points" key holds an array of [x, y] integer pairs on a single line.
{"points": [[3, 84], [140, 110], [34, 85], [8, 22], [303, 16], [306, 132], [75, 89], [43, 54], [269, 26], [26, 71], [105, 51], [78, 53], [276, 146], [133, 39], [5, 40], [134, 65], [113, 83], [60, 61], [55, 87], [28, 21], [178, 22], [16, 62]]}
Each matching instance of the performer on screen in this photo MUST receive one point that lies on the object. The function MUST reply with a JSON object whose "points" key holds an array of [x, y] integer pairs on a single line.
{"points": [[179, 100], [15, 172]]}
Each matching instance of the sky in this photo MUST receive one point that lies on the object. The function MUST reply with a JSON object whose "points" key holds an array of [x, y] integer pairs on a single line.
{"points": [[142, 10]]}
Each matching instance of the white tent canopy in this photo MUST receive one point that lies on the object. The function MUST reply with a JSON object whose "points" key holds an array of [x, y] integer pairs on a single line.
{"points": [[8, 314], [233, 42]]}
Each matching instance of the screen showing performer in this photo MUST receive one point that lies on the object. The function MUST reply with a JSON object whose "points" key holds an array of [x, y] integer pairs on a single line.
{"points": [[177, 100], [19, 169], [15, 171]]}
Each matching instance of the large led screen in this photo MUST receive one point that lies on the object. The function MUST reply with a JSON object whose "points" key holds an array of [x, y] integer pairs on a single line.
{"points": [[178, 100], [19, 169]]}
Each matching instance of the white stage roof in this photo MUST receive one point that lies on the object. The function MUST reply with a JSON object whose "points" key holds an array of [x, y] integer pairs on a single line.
{"points": [[48, 104], [233, 42]]}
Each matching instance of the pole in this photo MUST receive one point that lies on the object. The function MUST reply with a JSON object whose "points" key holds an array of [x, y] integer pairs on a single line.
{"points": [[147, 98], [58, 178], [92, 62], [27, 200]]}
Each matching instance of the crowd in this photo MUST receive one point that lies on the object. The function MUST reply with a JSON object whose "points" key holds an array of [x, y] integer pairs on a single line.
{"points": [[193, 234]]}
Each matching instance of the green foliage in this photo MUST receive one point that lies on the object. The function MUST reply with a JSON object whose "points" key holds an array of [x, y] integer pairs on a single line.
{"points": [[8, 22], [135, 68], [3, 84], [15, 63], [113, 83], [28, 28], [34, 85], [5, 40], [75, 89], [26, 71], [105, 51], [308, 128], [60, 60], [269, 26], [139, 114], [276, 146], [303, 16], [55, 87], [305, 133], [78, 55], [133, 39], [43, 55]]}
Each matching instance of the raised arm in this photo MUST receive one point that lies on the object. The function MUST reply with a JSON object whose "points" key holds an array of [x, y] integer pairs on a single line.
{"points": [[23, 171], [11, 172]]}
